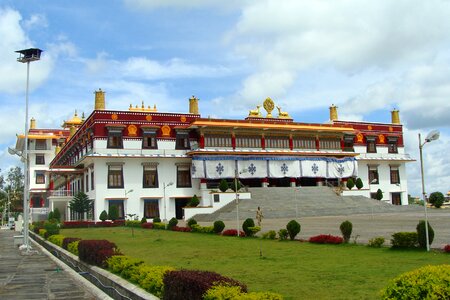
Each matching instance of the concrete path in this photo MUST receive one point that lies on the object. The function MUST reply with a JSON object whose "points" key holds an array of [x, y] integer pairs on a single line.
{"points": [[35, 275], [365, 226]]}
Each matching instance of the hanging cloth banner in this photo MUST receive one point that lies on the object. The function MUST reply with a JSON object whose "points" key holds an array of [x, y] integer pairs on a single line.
{"points": [[252, 168], [314, 168], [284, 168], [216, 169], [197, 169], [342, 169]]}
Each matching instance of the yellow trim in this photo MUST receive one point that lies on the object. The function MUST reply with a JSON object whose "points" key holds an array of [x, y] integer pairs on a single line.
{"points": [[40, 137]]}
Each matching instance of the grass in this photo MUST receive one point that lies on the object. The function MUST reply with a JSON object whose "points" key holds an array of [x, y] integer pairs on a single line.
{"points": [[295, 270]]}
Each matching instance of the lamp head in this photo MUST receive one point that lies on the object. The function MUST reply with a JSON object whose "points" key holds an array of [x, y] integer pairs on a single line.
{"points": [[432, 136], [169, 184]]}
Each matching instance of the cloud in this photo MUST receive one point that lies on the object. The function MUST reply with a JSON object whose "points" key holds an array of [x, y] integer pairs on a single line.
{"points": [[35, 21], [151, 5]]}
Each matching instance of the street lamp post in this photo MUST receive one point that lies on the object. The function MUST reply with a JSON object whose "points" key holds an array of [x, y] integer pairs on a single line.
{"points": [[432, 136], [164, 198], [236, 175], [27, 56]]}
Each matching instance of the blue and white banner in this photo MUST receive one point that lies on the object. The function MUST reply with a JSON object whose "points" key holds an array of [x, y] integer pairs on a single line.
{"points": [[342, 169], [314, 168], [284, 168], [252, 168], [216, 169], [197, 169]]}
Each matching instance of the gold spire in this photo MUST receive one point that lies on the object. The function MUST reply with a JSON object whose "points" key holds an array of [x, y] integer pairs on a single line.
{"points": [[32, 123], [193, 105], [99, 100], [142, 108], [395, 116], [333, 113]]}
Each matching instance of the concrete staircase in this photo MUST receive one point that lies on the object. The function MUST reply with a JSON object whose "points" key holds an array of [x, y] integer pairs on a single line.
{"points": [[287, 202]]}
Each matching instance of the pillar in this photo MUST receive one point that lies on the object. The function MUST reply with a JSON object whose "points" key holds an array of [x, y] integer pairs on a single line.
{"points": [[293, 181], [320, 181], [203, 184], [264, 182]]}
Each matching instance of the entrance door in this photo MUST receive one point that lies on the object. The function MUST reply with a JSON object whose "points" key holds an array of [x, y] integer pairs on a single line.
{"points": [[179, 204], [397, 198]]}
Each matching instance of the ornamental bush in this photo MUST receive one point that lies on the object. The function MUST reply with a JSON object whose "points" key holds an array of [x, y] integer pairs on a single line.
{"points": [[223, 185], [181, 229], [73, 247], [42, 232], [429, 282], [57, 214], [51, 228], [346, 229], [191, 222], [202, 229], [404, 240], [376, 242], [421, 234], [236, 185], [172, 222], [103, 216], [192, 284], [147, 225], [235, 293], [326, 239], [359, 184], [447, 248], [133, 223], [156, 220], [271, 234], [96, 252], [283, 234], [248, 223], [437, 199], [56, 239], [232, 232], [194, 201], [219, 226], [113, 212], [160, 226], [143, 220], [379, 194], [50, 216], [350, 183], [67, 241], [293, 228]]}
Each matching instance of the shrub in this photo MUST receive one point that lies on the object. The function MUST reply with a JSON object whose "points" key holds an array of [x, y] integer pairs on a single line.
{"points": [[56, 239], [376, 242], [326, 239], [181, 229], [96, 252], [447, 248], [172, 222], [248, 223], [202, 229], [232, 232], [143, 220], [421, 234], [38, 225], [57, 214], [42, 232], [350, 183], [161, 226], [236, 185], [359, 184], [271, 234], [73, 247], [219, 226], [437, 199], [234, 292], [429, 282], [192, 284], [119, 264], [67, 241], [254, 230], [50, 216], [133, 223], [293, 228], [156, 220], [404, 240], [346, 229], [283, 234], [113, 212], [103, 216], [379, 194], [194, 201], [147, 225], [51, 228], [223, 186], [191, 222]]}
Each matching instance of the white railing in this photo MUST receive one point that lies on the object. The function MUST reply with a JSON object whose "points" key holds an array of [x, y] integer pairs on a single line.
{"points": [[60, 193]]}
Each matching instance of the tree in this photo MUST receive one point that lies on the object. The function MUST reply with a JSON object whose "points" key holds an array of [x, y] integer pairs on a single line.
{"points": [[57, 214], [346, 229], [437, 199], [103, 216], [223, 185], [379, 194], [12, 184], [359, 184], [194, 201], [80, 204], [113, 212], [421, 234], [236, 186], [350, 183]]}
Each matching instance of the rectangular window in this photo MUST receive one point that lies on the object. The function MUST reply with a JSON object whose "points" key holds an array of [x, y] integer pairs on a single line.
{"points": [[41, 145], [182, 141], [348, 144], [120, 207], [87, 182], [330, 143], [40, 159], [37, 201], [92, 181], [151, 208], [248, 142], [392, 145], [371, 145], [115, 176], [40, 177], [395, 175], [218, 141], [115, 139], [304, 143], [150, 178], [281, 142], [149, 140], [373, 175], [396, 198], [183, 176]]}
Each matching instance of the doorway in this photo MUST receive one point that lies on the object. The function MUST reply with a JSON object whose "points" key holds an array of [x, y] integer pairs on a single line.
{"points": [[179, 204]]}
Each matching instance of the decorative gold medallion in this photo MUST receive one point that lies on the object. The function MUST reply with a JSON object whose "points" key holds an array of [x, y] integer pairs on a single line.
{"points": [[391, 129], [268, 106], [382, 139], [165, 130], [183, 119], [148, 117], [132, 130], [359, 138], [369, 127], [114, 117]]}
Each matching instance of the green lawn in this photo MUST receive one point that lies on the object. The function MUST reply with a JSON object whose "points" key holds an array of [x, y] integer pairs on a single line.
{"points": [[295, 270]]}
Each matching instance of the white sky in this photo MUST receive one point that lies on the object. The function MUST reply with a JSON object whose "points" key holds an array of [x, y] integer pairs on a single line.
{"points": [[367, 57]]}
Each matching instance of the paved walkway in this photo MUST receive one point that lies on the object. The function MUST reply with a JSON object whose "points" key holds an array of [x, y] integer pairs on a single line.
{"points": [[36, 275], [365, 226]]}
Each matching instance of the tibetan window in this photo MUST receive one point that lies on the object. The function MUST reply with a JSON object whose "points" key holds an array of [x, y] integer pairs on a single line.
{"points": [[304, 143], [182, 140], [220, 141], [115, 176], [40, 177], [184, 175], [373, 175], [115, 138], [281, 142], [371, 144], [330, 143], [248, 142], [150, 177], [40, 159], [395, 175], [149, 138], [392, 145]]}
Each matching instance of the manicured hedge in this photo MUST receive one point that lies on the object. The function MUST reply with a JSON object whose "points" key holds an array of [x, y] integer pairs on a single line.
{"points": [[181, 229], [73, 247], [404, 240], [147, 225], [326, 239], [190, 284], [67, 241], [86, 224], [96, 252], [232, 232], [56, 239]]}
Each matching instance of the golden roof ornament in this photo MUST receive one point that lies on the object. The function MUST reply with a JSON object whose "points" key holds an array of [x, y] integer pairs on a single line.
{"points": [[268, 106], [283, 114], [255, 113], [142, 108]]}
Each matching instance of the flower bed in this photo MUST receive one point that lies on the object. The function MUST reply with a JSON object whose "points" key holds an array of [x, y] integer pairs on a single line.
{"points": [[326, 239]]}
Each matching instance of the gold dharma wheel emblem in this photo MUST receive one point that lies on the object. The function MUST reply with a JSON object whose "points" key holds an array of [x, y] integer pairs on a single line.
{"points": [[148, 117], [183, 119], [268, 106], [114, 117]]}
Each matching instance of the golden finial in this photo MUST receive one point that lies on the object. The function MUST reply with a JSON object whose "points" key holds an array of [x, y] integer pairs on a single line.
{"points": [[268, 106], [333, 113], [143, 106]]}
